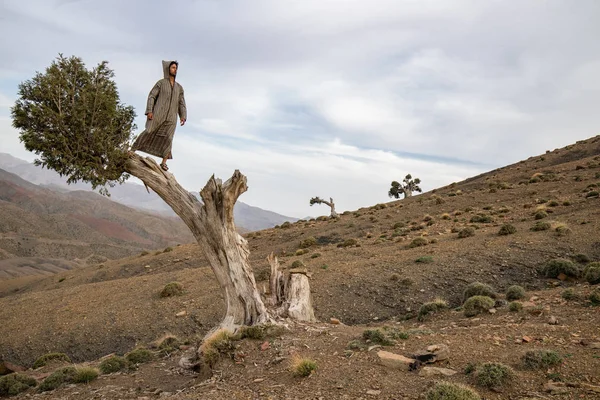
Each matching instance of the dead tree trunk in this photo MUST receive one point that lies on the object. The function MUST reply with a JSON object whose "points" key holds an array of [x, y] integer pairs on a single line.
{"points": [[330, 203], [227, 251], [213, 227]]}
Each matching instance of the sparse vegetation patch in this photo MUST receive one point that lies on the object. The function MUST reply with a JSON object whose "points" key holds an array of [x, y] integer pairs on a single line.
{"points": [[172, 289], [140, 355], [85, 375], [541, 359], [493, 375], [466, 232], [58, 378], [557, 266], [515, 292], [452, 391], [50, 357], [478, 289], [592, 273], [303, 367], [112, 364], [13, 384], [507, 229], [431, 308], [476, 305]]}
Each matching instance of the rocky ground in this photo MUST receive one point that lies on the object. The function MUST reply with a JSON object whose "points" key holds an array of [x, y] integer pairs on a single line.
{"points": [[366, 272]]}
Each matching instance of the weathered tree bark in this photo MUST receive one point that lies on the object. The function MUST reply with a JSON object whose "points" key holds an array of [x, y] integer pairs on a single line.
{"points": [[227, 251], [213, 227], [291, 291], [330, 203]]}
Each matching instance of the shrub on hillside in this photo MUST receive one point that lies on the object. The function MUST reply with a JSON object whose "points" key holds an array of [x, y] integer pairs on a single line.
{"points": [[482, 219], [13, 384], [591, 273], [515, 306], [451, 391], [85, 375], [431, 308], [50, 357], [466, 232], [493, 375], [303, 367], [172, 289], [562, 230], [477, 304], [348, 243], [540, 214], [112, 364], [140, 355], [377, 337], [418, 242], [515, 292], [594, 297], [581, 258], [557, 266], [541, 226], [541, 359], [167, 344], [478, 289], [308, 242], [58, 378], [297, 264], [220, 342], [507, 229]]}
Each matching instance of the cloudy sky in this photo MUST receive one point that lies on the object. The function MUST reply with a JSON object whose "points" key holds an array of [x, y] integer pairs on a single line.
{"points": [[331, 98]]}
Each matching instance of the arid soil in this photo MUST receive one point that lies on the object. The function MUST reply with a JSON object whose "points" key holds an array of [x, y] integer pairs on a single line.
{"points": [[377, 281]]}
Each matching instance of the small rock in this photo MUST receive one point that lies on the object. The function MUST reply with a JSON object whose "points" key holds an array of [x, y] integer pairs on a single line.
{"points": [[396, 361], [492, 311], [181, 314], [166, 394], [265, 346], [146, 266], [552, 320], [372, 392], [436, 371], [527, 339], [595, 345], [555, 387], [441, 351], [258, 380], [334, 321], [534, 298]]}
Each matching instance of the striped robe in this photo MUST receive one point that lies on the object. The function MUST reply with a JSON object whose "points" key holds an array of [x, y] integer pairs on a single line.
{"points": [[164, 102]]}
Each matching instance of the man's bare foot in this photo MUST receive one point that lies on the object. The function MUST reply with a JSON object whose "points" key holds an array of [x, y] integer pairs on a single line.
{"points": [[164, 166]]}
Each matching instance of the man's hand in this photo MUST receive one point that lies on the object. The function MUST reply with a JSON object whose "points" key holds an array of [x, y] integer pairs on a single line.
{"points": [[182, 121], [150, 115]]}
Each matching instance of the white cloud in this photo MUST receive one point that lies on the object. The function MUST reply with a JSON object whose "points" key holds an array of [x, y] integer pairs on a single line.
{"points": [[333, 98]]}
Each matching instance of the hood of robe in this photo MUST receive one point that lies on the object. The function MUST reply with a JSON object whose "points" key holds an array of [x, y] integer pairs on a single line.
{"points": [[165, 65]]}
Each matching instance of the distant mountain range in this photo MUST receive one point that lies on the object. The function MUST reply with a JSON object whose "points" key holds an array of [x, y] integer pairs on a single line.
{"points": [[247, 218]]}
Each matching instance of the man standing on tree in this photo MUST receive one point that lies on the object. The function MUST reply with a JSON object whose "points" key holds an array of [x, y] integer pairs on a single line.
{"points": [[165, 101]]}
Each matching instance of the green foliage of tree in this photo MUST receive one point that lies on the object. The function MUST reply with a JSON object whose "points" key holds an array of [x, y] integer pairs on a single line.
{"points": [[409, 186], [72, 118]]}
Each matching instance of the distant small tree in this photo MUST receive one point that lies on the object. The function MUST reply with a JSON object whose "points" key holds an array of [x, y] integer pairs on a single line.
{"points": [[330, 203], [410, 185]]}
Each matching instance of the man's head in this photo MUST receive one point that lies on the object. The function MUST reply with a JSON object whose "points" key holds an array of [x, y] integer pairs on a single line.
{"points": [[173, 68]]}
